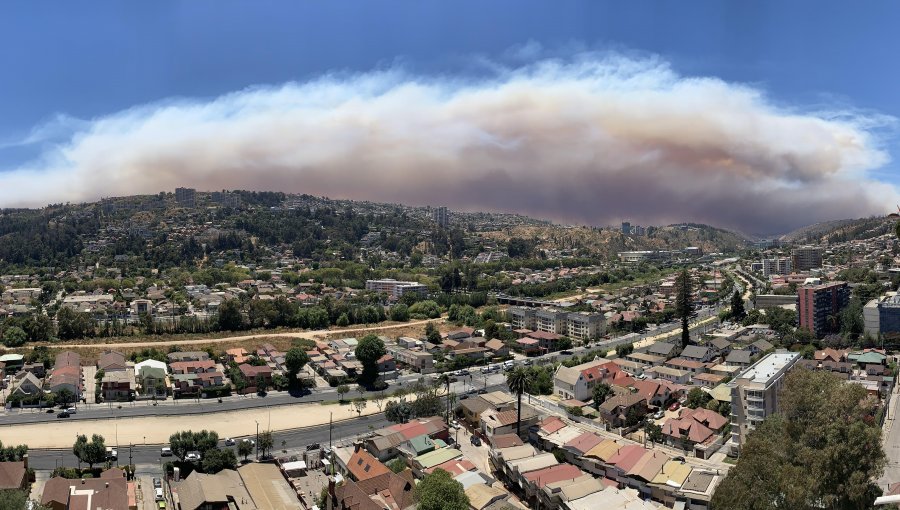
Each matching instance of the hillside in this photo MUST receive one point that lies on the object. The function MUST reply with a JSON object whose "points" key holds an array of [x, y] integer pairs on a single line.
{"points": [[841, 230]]}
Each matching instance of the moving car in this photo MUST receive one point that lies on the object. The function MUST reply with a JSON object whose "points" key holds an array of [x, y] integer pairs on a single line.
{"points": [[159, 494], [71, 410], [157, 483], [476, 441], [454, 424], [111, 453], [63, 414], [165, 451], [229, 441]]}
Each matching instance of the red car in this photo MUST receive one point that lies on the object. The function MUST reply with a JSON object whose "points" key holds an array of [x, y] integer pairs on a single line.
{"points": [[674, 407]]}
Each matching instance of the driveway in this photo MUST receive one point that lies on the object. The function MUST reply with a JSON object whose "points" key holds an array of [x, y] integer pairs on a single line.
{"points": [[90, 383]]}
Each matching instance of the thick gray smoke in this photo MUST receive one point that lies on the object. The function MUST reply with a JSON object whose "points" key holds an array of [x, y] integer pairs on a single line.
{"points": [[594, 140]]}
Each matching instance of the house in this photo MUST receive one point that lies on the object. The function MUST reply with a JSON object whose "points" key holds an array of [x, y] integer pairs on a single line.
{"points": [[363, 466], [694, 426], [238, 355], [473, 407], [617, 410], [664, 349], [760, 346], [25, 383], [720, 346], [223, 490], [66, 378], [111, 361], [251, 372], [193, 367], [14, 475], [417, 361], [697, 353], [739, 358], [547, 340], [109, 492], [389, 491], [578, 382], [118, 385], [151, 381], [494, 422], [386, 363], [670, 374], [497, 348], [687, 365], [656, 392], [35, 368]]}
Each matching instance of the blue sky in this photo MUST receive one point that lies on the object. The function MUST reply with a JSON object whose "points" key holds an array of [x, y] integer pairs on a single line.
{"points": [[94, 59]]}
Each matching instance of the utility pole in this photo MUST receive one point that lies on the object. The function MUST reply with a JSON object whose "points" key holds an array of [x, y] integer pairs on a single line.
{"points": [[257, 440], [129, 454]]}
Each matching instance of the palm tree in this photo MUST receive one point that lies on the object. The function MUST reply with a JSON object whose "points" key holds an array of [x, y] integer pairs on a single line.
{"points": [[445, 380], [517, 381]]}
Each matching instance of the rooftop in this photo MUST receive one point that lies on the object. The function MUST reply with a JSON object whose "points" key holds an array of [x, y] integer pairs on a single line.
{"points": [[763, 370]]}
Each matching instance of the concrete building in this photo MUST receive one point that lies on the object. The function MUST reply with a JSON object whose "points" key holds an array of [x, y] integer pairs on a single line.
{"points": [[806, 258], [441, 216], [626, 227], [395, 288], [636, 257], [882, 315], [776, 265], [521, 318], [819, 302], [764, 301], [185, 197], [754, 393], [584, 325], [551, 321]]}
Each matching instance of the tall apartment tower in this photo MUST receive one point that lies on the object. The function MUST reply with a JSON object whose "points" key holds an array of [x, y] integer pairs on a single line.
{"points": [[776, 266], [626, 228], [185, 197], [441, 216], [806, 258], [754, 394], [816, 303]]}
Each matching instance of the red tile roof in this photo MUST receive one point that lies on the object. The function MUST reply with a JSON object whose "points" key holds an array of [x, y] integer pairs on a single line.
{"points": [[363, 466], [627, 456], [556, 473]]}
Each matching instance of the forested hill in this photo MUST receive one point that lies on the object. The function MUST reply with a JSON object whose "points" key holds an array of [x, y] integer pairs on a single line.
{"points": [[248, 227]]}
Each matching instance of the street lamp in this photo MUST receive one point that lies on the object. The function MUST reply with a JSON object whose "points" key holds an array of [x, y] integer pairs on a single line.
{"points": [[257, 440]]}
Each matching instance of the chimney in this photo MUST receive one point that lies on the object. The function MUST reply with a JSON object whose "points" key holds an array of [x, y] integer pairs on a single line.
{"points": [[82, 481], [107, 485]]}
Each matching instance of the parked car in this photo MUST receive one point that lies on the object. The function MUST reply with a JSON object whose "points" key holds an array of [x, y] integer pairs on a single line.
{"points": [[476, 441], [165, 451], [482, 391], [71, 410], [192, 456], [159, 494], [463, 372], [454, 424], [63, 414], [229, 441], [674, 406], [678, 458], [565, 353], [157, 483], [659, 414], [111, 453]]}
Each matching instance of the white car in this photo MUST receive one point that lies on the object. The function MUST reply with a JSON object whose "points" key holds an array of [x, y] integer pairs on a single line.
{"points": [[454, 424], [229, 441], [71, 410], [192, 456], [159, 494], [165, 451]]}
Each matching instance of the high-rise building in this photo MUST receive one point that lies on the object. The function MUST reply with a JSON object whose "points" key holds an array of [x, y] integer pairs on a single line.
{"points": [[626, 228], [638, 230], [806, 258], [817, 304], [584, 325], [754, 393], [882, 315], [776, 265], [185, 197], [441, 216]]}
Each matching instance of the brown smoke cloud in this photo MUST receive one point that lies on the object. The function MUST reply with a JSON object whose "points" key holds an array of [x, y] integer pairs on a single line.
{"points": [[594, 139]]}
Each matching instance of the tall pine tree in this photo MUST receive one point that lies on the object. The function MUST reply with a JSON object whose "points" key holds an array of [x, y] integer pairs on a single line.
{"points": [[684, 304]]}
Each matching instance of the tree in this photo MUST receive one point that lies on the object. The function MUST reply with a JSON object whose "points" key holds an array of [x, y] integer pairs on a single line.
{"points": [[65, 396], [439, 491], [823, 450], [397, 465], [342, 321], [359, 405], [737, 306], [13, 499], [654, 433], [369, 350], [266, 442], [245, 449], [697, 398], [261, 384], [188, 441], [12, 453], [90, 452], [684, 304], [14, 336], [294, 360], [229, 316], [400, 312], [216, 460], [432, 334], [342, 390], [602, 392], [398, 411], [517, 382]]}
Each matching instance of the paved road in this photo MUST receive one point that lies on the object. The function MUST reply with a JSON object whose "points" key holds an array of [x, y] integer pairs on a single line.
{"points": [[149, 454], [891, 442]]}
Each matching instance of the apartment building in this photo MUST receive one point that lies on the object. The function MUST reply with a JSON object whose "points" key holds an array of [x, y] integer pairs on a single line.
{"points": [[764, 301], [584, 325], [817, 303], [882, 315], [754, 393], [417, 361], [806, 258], [521, 318], [441, 216], [185, 197], [395, 288], [551, 321], [776, 265]]}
